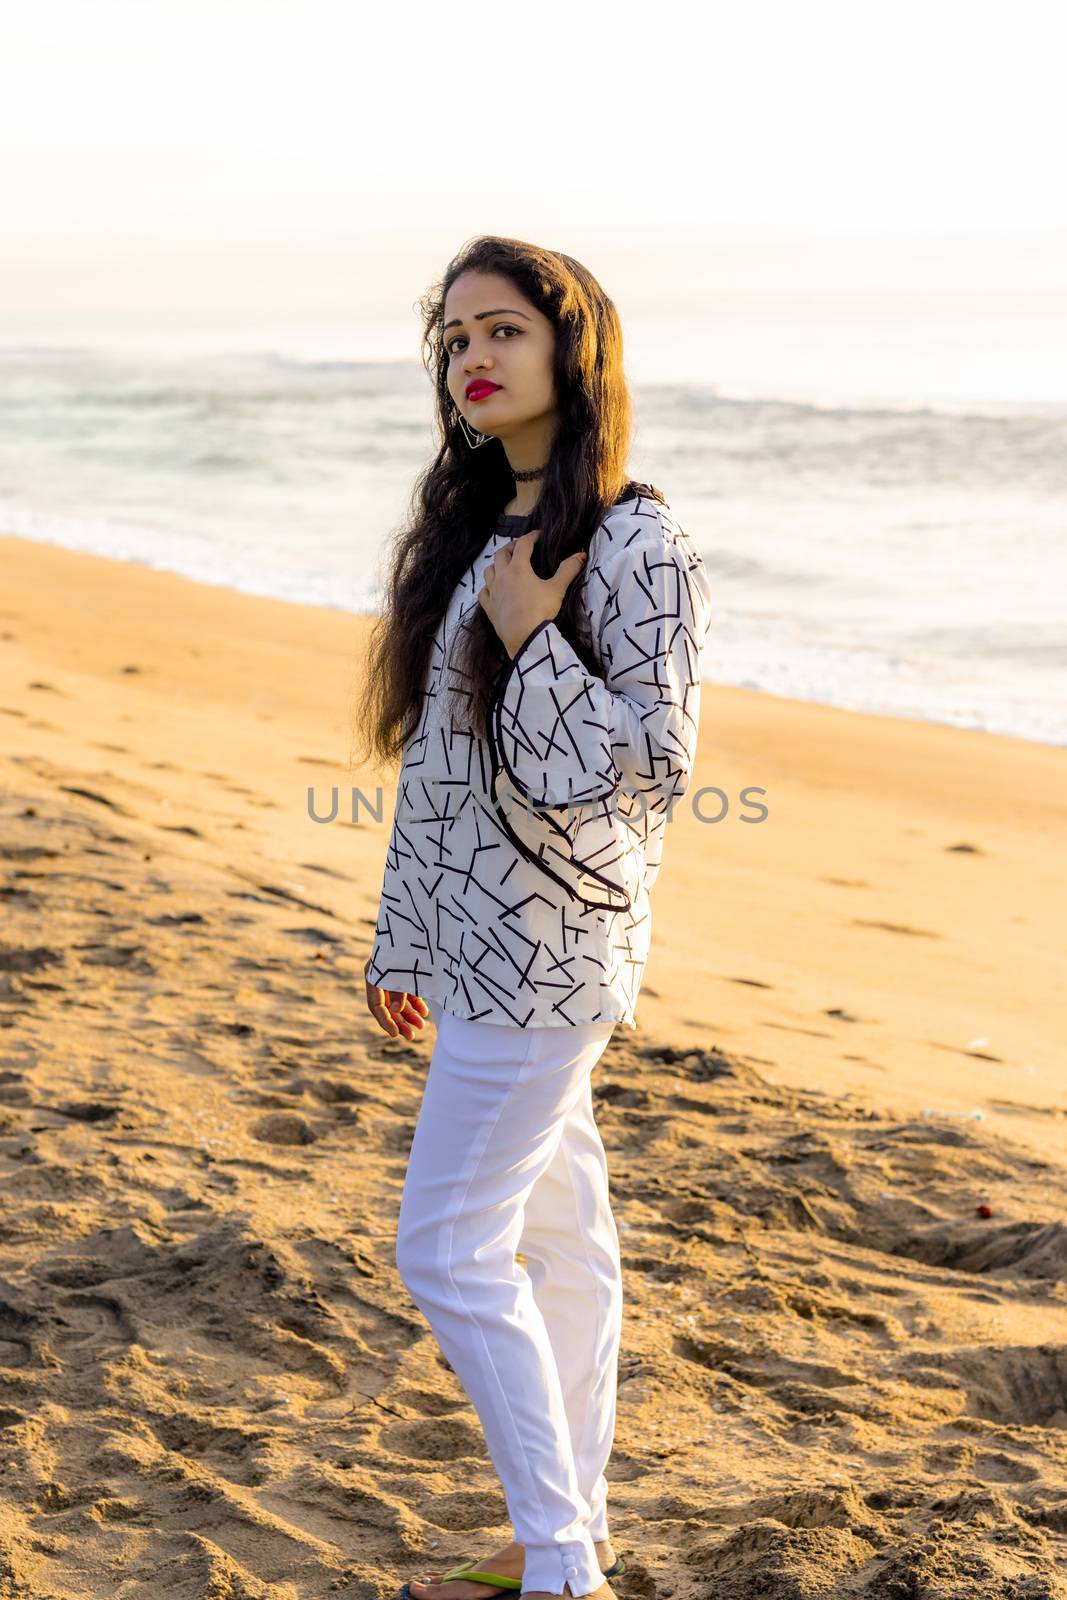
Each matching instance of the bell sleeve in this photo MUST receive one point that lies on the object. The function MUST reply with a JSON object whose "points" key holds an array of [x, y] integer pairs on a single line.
{"points": [[567, 737]]}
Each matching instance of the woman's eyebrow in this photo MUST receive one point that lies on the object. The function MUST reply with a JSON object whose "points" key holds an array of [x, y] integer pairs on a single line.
{"points": [[478, 315]]}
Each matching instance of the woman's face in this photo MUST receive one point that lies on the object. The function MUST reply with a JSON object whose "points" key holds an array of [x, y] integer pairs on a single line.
{"points": [[511, 347]]}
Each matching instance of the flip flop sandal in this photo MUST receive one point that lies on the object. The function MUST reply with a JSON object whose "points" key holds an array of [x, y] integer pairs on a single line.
{"points": [[497, 1579]]}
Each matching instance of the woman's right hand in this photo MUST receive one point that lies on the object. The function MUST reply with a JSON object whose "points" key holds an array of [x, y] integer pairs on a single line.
{"points": [[393, 1010]]}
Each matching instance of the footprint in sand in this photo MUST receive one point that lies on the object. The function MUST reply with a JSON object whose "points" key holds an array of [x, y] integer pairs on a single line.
{"points": [[236, 1454], [994, 1466], [17, 1330], [32, 959], [283, 1128], [126, 956], [1014, 1250], [79, 1272], [428, 1402], [87, 1320], [87, 1110], [444, 1439], [702, 1066], [1020, 1385]]}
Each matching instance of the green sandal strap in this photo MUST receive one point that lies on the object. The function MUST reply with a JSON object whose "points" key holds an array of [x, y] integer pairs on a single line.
{"points": [[497, 1579]]}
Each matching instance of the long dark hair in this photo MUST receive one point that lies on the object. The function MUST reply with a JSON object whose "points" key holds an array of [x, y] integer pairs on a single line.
{"points": [[458, 497]]}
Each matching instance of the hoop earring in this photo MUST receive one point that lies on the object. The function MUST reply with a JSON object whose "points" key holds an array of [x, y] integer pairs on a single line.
{"points": [[472, 436]]}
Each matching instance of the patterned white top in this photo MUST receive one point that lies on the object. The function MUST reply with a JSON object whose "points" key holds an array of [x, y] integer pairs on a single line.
{"points": [[519, 867]]}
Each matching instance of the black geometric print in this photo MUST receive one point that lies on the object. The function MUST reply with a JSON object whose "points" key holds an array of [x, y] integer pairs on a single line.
{"points": [[517, 879]]}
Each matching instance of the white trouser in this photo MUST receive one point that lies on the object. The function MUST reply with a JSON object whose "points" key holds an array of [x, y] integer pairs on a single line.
{"points": [[507, 1157]]}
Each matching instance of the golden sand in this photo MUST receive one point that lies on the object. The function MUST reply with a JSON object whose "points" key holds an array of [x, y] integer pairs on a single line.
{"points": [[837, 1142]]}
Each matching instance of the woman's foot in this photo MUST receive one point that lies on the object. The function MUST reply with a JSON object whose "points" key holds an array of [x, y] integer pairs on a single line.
{"points": [[509, 1562]]}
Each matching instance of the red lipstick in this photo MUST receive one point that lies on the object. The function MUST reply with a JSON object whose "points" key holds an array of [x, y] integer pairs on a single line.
{"points": [[480, 388]]}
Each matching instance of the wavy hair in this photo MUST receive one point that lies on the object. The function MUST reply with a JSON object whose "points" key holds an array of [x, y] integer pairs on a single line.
{"points": [[458, 496]]}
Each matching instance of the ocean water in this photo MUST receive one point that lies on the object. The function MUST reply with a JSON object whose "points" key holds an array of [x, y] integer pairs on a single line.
{"points": [[897, 557]]}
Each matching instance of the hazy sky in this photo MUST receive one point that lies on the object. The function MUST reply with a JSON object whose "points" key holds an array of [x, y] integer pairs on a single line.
{"points": [[242, 150], [225, 119]]}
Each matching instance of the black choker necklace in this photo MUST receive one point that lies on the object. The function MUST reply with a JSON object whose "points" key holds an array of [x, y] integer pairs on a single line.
{"points": [[525, 477]]}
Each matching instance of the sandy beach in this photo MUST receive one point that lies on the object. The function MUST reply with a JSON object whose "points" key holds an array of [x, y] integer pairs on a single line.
{"points": [[837, 1142]]}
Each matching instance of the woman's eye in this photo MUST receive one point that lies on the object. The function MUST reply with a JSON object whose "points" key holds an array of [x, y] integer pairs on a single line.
{"points": [[509, 326]]}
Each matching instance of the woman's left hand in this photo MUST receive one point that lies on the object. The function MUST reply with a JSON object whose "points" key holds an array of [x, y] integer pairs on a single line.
{"points": [[515, 599]]}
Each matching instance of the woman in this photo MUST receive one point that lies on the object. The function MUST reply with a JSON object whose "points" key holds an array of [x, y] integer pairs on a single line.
{"points": [[537, 666]]}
